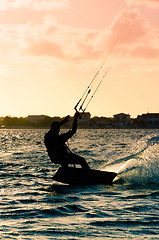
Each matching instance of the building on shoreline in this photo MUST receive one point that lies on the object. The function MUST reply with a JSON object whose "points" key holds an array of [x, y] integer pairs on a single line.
{"points": [[148, 120], [121, 120], [36, 119]]}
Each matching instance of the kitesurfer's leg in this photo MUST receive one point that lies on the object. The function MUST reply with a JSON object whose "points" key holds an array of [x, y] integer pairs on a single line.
{"points": [[75, 159], [64, 162]]}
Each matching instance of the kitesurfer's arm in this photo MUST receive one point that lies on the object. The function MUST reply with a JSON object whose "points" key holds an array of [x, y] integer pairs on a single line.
{"points": [[74, 126], [66, 119], [70, 133]]}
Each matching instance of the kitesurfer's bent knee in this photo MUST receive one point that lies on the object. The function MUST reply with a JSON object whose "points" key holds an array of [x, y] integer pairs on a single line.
{"points": [[75, 159], [81, 161]]}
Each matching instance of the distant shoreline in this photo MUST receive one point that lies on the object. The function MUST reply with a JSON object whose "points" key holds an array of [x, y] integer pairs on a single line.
{"points": [[109, 128], [119, 121]]}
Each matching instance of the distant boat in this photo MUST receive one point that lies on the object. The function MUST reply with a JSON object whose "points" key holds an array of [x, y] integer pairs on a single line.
{"points": [[81, 176]]}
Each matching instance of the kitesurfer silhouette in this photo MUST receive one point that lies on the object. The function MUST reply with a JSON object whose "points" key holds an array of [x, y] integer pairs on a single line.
{"points": [[57, 149]]}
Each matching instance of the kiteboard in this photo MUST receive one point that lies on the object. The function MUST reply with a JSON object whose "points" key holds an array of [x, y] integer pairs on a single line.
{"points": [[81, 176]]}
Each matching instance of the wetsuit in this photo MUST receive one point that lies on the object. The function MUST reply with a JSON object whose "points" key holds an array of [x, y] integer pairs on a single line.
{"points": [[57, 149]]}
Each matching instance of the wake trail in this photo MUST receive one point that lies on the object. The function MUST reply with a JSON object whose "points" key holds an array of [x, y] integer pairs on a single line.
{"points": [[143, 167]]}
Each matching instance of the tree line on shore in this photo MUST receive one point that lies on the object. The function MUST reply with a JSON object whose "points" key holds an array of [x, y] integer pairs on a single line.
{"points": [[24, 122], [9, 122]]}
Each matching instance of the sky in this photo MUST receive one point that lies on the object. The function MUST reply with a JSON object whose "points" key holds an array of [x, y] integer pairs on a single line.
{"points": [[50, 51]]}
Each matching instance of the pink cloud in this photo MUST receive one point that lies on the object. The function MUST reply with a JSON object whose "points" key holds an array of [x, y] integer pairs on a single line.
{"points": [[59, 41], [125, 37], [128, 27], [151, 3], [87, 52], [45, 48], [145, 52], [128, 33], [34, 4], [72, 47]]}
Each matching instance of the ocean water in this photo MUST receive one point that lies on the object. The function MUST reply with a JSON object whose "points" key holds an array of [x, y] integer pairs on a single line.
{"points": [[33, 206]]}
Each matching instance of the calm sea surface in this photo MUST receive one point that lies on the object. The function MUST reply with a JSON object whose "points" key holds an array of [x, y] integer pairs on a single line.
{"points": [[32, 206]]}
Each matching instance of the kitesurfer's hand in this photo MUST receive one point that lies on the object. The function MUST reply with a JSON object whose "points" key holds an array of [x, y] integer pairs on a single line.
{"points": [[66, 119]]}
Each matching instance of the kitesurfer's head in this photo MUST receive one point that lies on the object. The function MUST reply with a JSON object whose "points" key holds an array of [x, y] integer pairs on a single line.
{"points": [[55, 126]]}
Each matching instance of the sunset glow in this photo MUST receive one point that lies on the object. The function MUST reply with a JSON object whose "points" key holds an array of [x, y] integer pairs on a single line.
{"points": [[51, 49]]}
